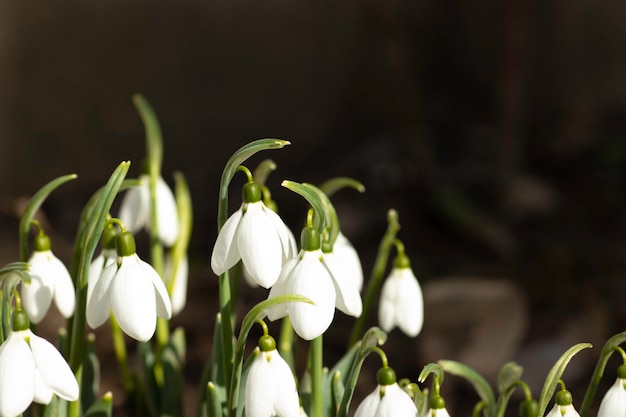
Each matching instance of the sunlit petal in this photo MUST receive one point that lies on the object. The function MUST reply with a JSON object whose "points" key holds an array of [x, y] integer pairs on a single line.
{"points": [[225, 251], [17, 375], [369, 405], [36, 297], [179, 291], [54, 370], [64, 294], [614, 401], [396, 403], [287, 239], [260, 389], [163, 303], [349, 257], [279, 288], [348, 298], [104, 259], [43, 393], [167, 213], [287, 403], [99, 305], [135, 206]]}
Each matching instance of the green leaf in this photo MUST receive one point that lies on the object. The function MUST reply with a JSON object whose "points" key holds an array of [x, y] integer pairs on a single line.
{"points": [[431, 368], [509, 376], [31, 209], [263, 170], [331, 186], [90, 379], [481, 386], [101, 408], [555, 374], [154, 142], [185, 224], [213, 402], [337, 389], [173, 382]]}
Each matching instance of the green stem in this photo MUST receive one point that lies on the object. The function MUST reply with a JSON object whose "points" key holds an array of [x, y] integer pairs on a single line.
{"points": [[378, 272], [286, 343], [119, 347], [317, 375]]}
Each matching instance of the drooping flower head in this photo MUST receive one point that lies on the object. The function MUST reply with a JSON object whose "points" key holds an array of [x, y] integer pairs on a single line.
{"points": [[614, 401], [270, 387], [50, 280], [132, 290], [563, 405], [136, 209], [401, 301], [387, 399], [107, 256], [255, 235], [31, 369]]}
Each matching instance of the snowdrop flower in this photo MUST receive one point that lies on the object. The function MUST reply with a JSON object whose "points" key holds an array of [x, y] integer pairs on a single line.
{"points": [[135, 209], [345, 279], [401, 301], [614, 401], [50, 280], [388, 399], [179, 290], [308, 275], [255, 235], [349, 257], [270, 387], [132, 290], [31, 369], [107, 256], [563, 406]]}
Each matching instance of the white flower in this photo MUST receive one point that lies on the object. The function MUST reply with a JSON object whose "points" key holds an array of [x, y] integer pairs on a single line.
{"points": [[387, 401], [270, 387], [401, 302], [342, 271], [563, 411], [179, 291], [256, 235], [98, 265], [614, 402], [32, 369], [350, 260], [135, 209], [133, 291], [50, 280]]}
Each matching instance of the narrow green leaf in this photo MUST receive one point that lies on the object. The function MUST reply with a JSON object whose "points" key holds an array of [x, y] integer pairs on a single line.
{"points": [[213, 403], [31, 209], [90, 381], [171, 393], [555, 374], [185, 224], [263, 170], [331, 186], [101, 408], [338, 389], [431, 368], [481, 386], [154, 141]]}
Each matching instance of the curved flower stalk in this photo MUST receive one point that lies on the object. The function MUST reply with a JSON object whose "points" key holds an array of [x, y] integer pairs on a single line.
{"points": [[31, 369], [136, 210], [388, 399], [132, 290], [308, 275], [614, 401], [401, 299], [257, 236], [50, 280], [270, 387]]}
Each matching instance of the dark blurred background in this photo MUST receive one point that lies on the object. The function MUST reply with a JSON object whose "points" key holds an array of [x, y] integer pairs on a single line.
{"points": [[494, 128]]}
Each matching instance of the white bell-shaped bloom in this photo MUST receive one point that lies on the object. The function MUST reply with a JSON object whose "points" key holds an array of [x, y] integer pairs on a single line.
{"points": [[32, 369], [348, 299], [50, 280], [136, 210], [257, 236], [614, 402], [350, 260], [401, 302], [133, 291], [179, 290], [270, 387], [387, 401], [563, 411]]}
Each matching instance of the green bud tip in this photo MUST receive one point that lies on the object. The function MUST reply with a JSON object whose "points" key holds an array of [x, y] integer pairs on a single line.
{"points": [[563, 397], [529, 408], [309, 239], [20, 320], [386, 376], [621, 372], [402, 262], [125, 244], [251, 193], [42, 243], [108, 237], [437, 402], [267, 343]]}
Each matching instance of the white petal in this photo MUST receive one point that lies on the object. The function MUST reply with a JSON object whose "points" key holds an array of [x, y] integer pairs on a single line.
{"points": [[311, 279], [438, 412], [287, 240], [287, 404], [410, 306], [135, 206], [387, 304], [248, 278], [163, 302], [225, 251], [179, 291], [563, 411], [260, 389], [344, 250], [167, 213], [260, 245], [99, 305], [64, 294], [279, 288], [133, 302], [104, 259], [36, 297], [17, 376], [396, 403], [43, 393], [348, 298], [369, 405], [614, 401], [54, 370]]}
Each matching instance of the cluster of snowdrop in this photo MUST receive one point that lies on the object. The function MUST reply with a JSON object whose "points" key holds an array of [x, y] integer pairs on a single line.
{"points": [[306, 280]]}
